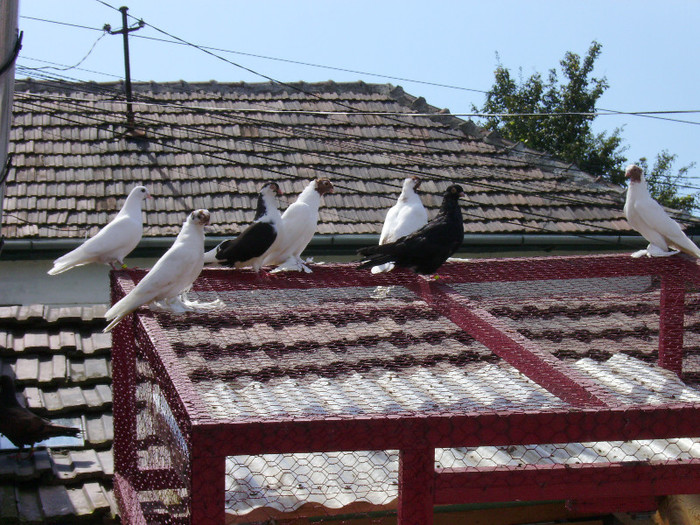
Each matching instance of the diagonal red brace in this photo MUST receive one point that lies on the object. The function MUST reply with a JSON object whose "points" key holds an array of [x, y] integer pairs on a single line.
{"points": [[537, 364]]}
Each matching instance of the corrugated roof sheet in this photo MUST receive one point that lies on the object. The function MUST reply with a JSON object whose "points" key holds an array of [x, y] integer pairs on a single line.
{"points": [[214, 144], [353, 351]]}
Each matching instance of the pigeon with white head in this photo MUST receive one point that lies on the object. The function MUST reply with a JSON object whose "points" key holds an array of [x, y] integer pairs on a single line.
{"points": [[648, 217], [113, 242], [172, 275]]}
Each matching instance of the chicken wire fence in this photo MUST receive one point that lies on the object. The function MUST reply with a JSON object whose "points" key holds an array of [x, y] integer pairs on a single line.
{"points": [[345, 394]]}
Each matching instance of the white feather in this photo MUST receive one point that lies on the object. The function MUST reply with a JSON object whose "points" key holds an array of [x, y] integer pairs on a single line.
{"points": [[173, 274], [403, 218], [271, 215], [113, 242], [296, 229], [649, 218]]}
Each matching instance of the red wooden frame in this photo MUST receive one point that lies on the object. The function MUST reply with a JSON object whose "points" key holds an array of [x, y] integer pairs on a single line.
{"points": [[592, 415]]}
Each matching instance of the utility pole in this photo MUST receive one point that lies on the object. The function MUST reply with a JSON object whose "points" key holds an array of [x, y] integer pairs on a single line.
{"points": [[124, 31], [10, 44]]}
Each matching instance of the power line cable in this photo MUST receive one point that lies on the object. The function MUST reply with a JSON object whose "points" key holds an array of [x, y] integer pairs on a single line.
{"points": [[505, 188], [481, 217], [67, 68]]}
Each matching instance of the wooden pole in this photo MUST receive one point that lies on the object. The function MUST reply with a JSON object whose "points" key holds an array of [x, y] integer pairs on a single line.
{"points": [[9, 42]]}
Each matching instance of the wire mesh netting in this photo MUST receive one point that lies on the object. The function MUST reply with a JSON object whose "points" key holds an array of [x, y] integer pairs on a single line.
{"points": [[343, 393]]}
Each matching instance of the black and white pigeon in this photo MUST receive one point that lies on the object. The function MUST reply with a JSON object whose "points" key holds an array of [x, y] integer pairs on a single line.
{"points": [[253, 243], [171, 276], [20, 425], [403, 218], [112, 243], [297, 228], [425, 250], [645, 215]]}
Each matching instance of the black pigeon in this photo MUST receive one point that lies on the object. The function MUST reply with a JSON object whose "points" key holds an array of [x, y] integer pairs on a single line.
{"points": [[426, 249], [252, 244], [21, 426]]}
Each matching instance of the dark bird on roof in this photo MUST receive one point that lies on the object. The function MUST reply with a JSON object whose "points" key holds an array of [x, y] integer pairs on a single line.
{"points": [[403, 218], [20, 425], [426, 249], [253, 243]]}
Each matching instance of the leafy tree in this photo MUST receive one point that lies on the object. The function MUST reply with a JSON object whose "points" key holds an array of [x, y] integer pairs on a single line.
{"points": [[664, 183], [562, 116]]}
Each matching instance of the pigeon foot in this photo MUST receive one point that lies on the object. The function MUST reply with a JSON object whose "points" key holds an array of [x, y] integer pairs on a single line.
{"points": [[655, 251]]}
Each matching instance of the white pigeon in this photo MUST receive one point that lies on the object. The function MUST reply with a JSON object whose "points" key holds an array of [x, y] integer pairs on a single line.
{"points": [[403, 218], [172, 275], [645, 215], [254, 242], [113, 242], [297, 228]]}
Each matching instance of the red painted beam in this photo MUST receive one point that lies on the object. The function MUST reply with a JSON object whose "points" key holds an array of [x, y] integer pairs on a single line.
{"points": [[384, 432], [475, 270], [540, 366], [207, 484], [129, 504], [671, 315], [584, 481], [416, 486], [124, 392], [553, 267]]}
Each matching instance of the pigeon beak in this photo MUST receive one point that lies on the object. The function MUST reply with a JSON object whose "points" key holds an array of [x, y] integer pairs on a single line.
{"points": [[280, 193]]}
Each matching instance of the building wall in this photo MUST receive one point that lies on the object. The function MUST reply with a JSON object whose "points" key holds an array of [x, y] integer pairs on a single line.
{"points": [[26, 282]]}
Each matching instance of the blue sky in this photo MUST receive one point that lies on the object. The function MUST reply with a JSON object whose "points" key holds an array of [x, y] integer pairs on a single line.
{"points": [[650, 57]]}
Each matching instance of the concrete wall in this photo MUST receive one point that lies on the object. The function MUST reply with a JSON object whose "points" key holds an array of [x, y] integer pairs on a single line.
{"points": [[26, 282]]}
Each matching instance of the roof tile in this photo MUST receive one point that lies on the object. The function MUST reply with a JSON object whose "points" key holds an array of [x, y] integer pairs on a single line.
{"points": [[215, 153]]}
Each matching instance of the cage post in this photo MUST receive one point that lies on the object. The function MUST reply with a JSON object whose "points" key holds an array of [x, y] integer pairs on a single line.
{"points": [[416, 486], [124, 393], [207, 480], [672, 306]]}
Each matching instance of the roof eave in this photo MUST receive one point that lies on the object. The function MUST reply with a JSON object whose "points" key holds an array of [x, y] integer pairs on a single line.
{"points": [[347, 244]]}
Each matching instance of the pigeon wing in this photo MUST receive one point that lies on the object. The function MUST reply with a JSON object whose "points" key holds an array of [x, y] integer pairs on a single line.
{"points": [[113, 242], [253, 242], [651, 215], [169, 276]]}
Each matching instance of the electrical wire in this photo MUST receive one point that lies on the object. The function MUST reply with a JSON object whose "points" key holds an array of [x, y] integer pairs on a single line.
{"points": [[67, 68], [481, 217], [490, 172], [443, 166], [272, 80], [182, 42]]}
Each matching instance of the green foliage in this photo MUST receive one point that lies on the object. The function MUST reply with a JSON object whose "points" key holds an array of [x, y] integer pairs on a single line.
{"points": [[664, 183], [554, 128], [562, 115]]}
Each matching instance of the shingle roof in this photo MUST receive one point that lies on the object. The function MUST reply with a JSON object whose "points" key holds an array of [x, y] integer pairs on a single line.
{"points": [[62, 365], [213, 145]]}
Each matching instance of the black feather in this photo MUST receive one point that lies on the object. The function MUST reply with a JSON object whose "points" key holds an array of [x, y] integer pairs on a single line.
{"points": [[20, 425], [425, 250], [252, 242]]}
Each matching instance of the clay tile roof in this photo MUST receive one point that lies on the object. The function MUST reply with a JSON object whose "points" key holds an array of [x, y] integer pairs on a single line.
{"points": [[214, 144], [43, 348]]}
